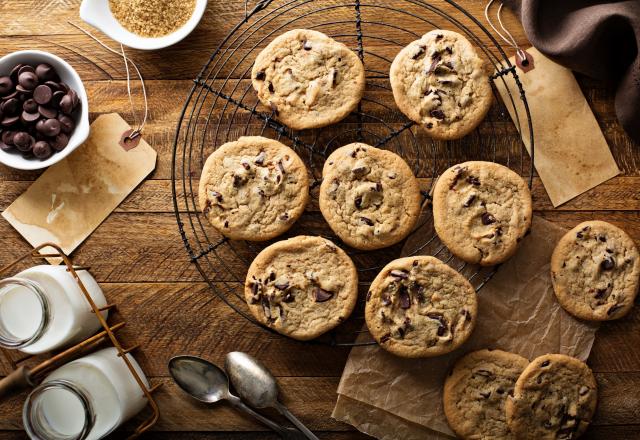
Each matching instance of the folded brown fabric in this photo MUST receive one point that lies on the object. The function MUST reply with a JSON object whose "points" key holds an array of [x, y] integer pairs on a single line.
{"points": [[594, 37]]}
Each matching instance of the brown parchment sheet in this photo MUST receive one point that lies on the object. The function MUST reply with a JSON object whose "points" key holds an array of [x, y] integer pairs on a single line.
{"points": [[380, 393], [71, 198], [571, 153]]}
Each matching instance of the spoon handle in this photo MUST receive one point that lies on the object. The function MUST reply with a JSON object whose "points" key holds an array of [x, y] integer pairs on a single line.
{"points": [[285, 412], [239, 404]]}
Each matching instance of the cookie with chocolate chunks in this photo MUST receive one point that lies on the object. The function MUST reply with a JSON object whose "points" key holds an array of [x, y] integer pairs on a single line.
{"points": [[302, 287], [420, 307], [253, 189], [595, 270], [476, 392], [369, 196], [439, 81], [308, 80], [554, 398], [481, 211]]}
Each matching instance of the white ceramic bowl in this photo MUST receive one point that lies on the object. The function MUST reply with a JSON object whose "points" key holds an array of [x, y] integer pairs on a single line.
{"points": [[68, 75], [98, 14]]}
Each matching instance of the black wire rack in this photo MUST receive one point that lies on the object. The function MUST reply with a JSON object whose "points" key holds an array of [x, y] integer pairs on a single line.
{"points": [[223, 106]]}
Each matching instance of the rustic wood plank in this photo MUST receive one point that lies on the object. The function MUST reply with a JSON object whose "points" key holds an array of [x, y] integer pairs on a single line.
{"points": [[312, 399]]}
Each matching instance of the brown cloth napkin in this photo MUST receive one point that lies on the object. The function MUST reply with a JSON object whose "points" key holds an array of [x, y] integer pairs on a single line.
{"points": [[595, 37]]}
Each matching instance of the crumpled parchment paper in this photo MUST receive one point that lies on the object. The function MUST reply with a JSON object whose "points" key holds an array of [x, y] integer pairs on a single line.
{"points": [[389, 397]]}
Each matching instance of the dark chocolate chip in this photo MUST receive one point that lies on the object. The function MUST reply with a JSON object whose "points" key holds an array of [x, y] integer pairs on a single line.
{"points": [[66, 104], [66, 124], [28, 80], [439, 37], [469, 201], [261, 75], [25, 68], [402, 274], [602, 238], [47, 112], [473, 180], [8, 121], [5, 147], [42, 94], [10, 107], [385, 338], [485, 394], [429, 125], [23, 141], [437, 113], [358, 202], [42, 150], [366, 221], [419, 53], [282, 285], [271, 88], [7, 137], [29, 118], [321, 295], [545, 364], [607, 263], [404, 297], [284, 216], [51, 127], [56, 98], [6, 85], [30, 106], [488, 219], [306, 45]]}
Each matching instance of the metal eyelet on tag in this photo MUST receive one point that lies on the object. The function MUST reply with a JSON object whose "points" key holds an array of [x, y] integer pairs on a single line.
{"points": [[524, 61], [130, 140]]}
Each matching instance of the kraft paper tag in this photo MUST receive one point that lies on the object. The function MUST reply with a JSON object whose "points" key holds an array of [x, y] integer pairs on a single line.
{"points": [[71, 198], [571, 153], [390, 397]]}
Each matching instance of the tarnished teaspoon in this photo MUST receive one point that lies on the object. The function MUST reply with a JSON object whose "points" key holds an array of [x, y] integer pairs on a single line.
{"points": [[208, 383], [255, 384]]}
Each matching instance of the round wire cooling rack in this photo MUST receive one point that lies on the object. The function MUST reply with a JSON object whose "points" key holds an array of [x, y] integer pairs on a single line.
{"points": [[222, 106]]}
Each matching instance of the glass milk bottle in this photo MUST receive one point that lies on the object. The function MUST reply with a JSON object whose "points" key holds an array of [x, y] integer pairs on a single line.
{"points": [[43, 308], [85, 399]]}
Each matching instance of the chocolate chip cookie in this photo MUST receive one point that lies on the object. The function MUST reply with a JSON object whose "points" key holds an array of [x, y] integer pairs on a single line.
{"points": [[595, 270], [481, 211], [302, 287], [476, 390], [369, 196], [420, 307], [554, 398], [439, 81], [253, 189], [307, 79]]}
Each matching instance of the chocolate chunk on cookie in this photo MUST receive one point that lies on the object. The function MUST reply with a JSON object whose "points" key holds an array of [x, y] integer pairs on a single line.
{"points": [[369, 196], [302, 287], [554, 398], [253, 189], [481, 211], [476, 391], [307, 79], [439, 82], [420, 307], [595, 270]]}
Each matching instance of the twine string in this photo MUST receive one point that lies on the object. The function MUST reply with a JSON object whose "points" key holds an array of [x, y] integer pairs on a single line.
{"points": [[509, 38], [127, 61]]}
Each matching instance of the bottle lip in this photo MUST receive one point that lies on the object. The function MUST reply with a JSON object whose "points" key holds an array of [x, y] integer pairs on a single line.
{"points": [[7, 339], [30, 417]]}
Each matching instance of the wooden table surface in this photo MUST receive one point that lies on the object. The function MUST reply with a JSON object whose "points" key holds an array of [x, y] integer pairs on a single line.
{"points": [[139, 259]]}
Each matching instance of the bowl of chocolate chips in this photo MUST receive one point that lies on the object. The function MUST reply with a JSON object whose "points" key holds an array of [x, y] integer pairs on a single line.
{"points": [[44, 113]]}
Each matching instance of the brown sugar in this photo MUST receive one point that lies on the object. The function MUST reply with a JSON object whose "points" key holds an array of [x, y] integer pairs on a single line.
{"points": [[152, 18]]}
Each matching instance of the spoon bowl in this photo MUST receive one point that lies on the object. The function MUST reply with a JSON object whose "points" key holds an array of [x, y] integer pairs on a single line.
{"points": [[199, 378]]}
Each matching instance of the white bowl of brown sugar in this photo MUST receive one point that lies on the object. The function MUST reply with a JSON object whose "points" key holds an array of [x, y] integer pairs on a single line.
{"points": [[144, 24]]}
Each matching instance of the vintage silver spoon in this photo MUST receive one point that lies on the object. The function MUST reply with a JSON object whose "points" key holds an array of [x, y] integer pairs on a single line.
{"points": [[208, 383], [255, 384]]}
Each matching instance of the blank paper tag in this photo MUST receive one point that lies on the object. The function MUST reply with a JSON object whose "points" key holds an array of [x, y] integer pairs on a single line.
{"points": [[571, 154], [70, 200]]}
